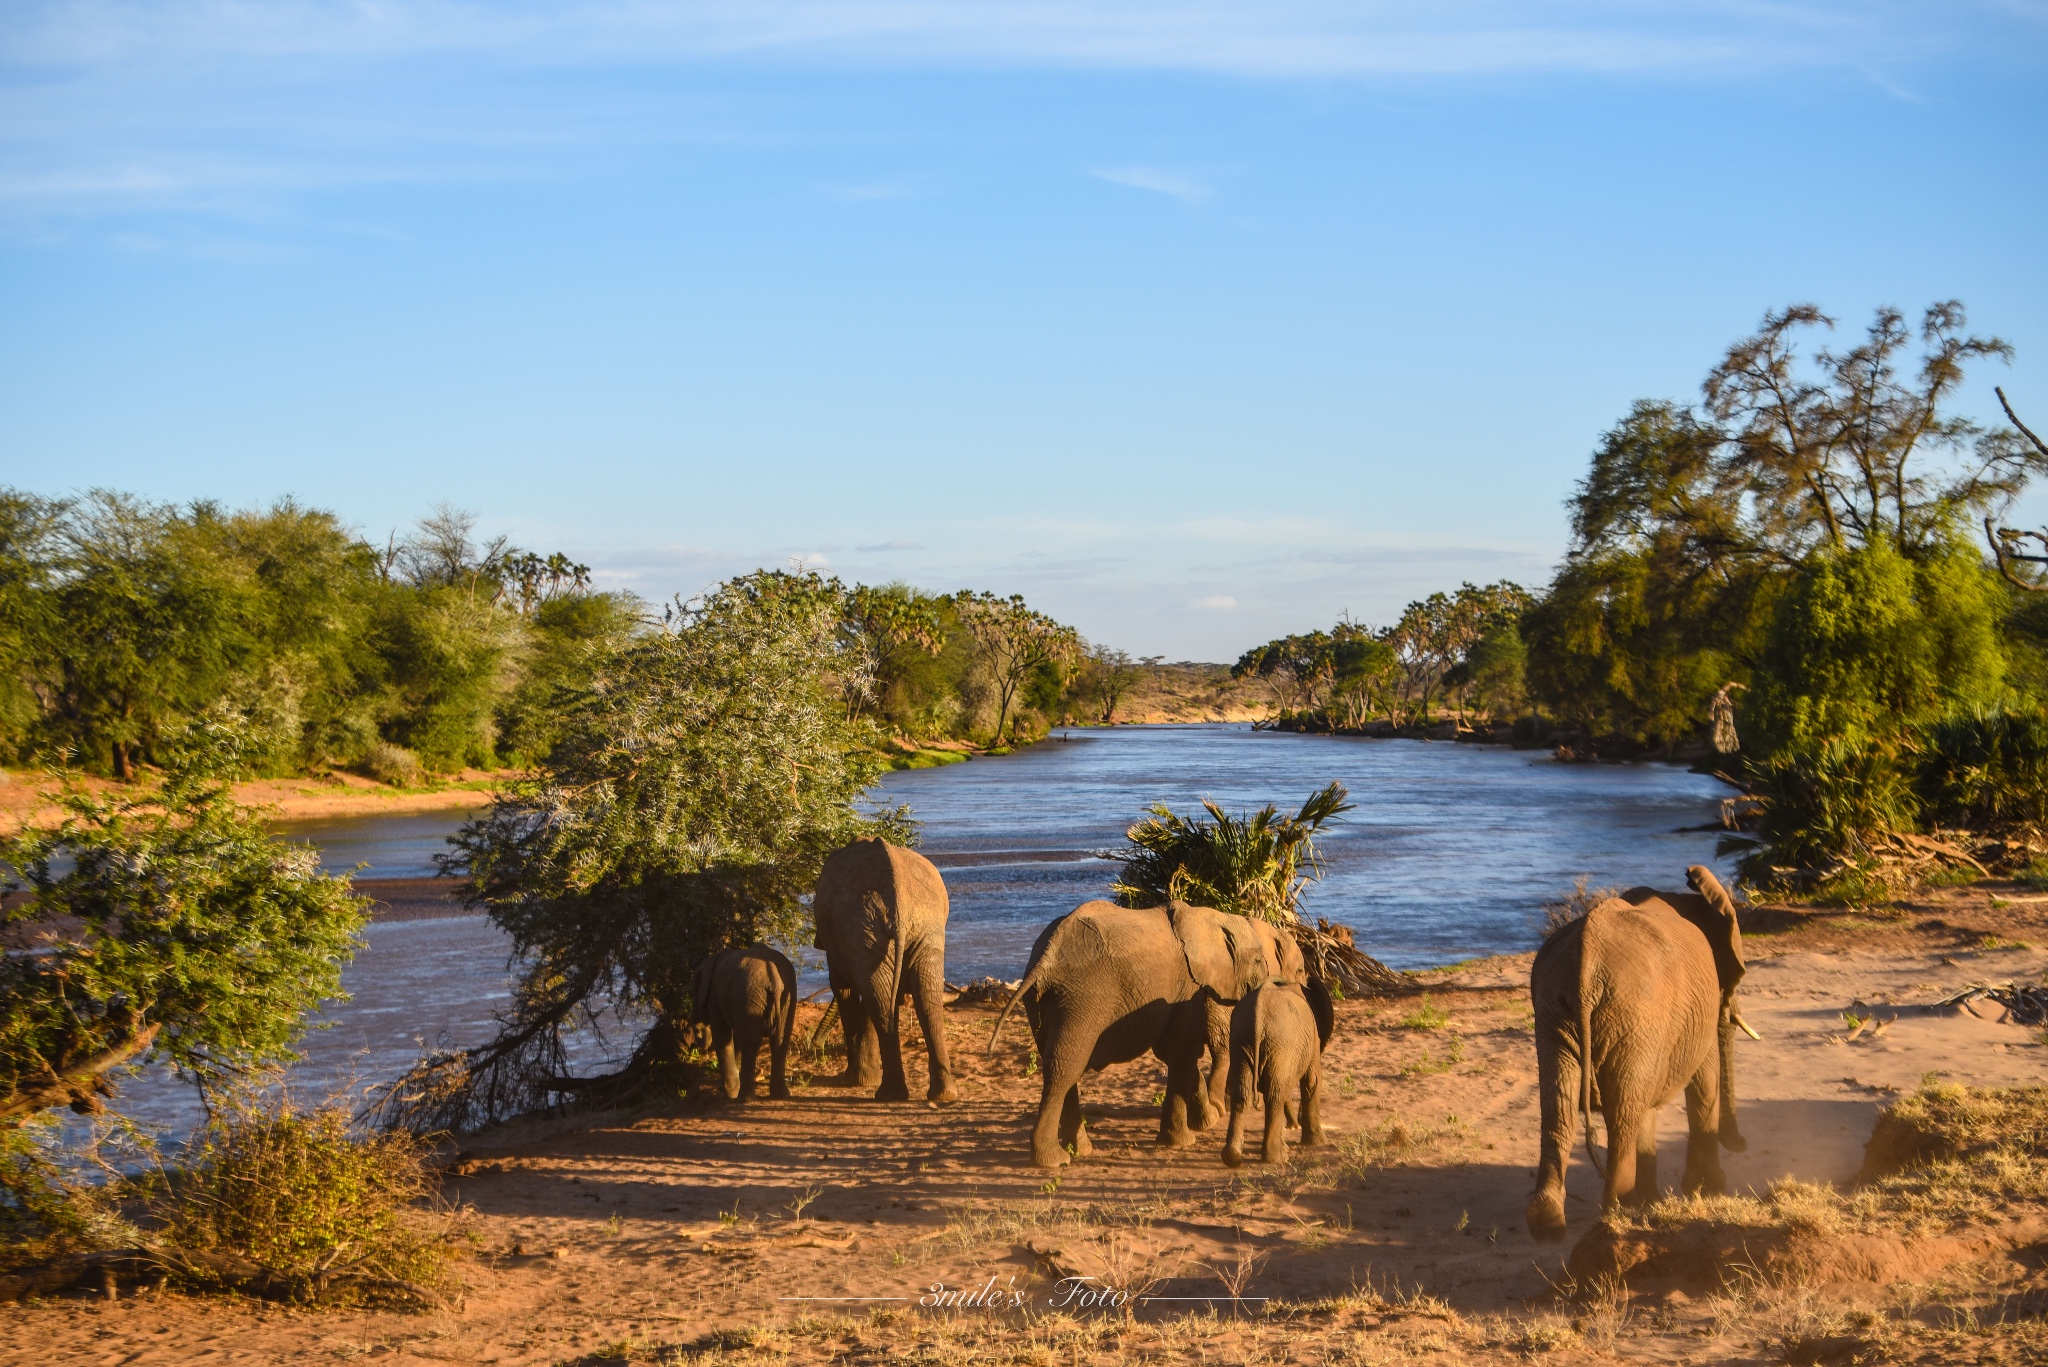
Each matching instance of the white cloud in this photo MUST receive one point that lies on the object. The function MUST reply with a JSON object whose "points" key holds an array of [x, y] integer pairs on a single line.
{"points": [[1221, 602], [1276, 38], [891, 546], [1159, 182]]}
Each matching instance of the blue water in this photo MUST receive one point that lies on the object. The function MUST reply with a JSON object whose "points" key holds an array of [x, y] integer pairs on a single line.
{"points": [[1451, 852]]}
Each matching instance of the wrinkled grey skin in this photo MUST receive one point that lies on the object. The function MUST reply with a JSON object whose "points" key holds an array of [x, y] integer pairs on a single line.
{"points": [[1277, 1037], [881, 915], [1108, 983], [744, 997], [1645, 983]]}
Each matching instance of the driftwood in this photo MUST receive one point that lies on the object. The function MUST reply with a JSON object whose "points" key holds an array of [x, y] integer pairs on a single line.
{"points": [[2024, 1003], [1334, 956]]}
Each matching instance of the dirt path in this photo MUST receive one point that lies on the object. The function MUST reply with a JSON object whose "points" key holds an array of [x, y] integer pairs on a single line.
{"points": [[670, 1233]]}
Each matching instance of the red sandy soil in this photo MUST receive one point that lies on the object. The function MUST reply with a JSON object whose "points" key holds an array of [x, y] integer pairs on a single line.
{"points": [[683, 1231]]}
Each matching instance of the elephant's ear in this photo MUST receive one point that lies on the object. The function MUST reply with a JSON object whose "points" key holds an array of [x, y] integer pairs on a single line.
{"points": [[1289, 964], [1318, 993], [1222, 951], [1722, 929]]}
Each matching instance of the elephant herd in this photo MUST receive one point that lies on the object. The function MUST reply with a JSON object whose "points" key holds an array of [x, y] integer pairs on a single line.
{"points": [[1643, 986]]}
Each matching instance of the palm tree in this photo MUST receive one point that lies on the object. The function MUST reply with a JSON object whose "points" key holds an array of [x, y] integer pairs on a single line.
{"points": [[1252, 864]]}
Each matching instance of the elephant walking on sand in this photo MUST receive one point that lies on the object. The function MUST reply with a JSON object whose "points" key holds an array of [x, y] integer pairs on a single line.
{"points": [[747, 996], [881, 914], [1277, 1037], [1634, 1001], [1107, 983]]}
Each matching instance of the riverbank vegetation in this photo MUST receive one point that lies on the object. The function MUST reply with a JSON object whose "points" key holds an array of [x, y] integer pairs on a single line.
{"points": [[1786, 579], [123, 620]]}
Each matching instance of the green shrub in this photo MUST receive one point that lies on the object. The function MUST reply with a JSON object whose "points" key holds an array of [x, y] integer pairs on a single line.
{"points": [[393, 764], [293, 1203], [1987, 770], [1823, 803]]}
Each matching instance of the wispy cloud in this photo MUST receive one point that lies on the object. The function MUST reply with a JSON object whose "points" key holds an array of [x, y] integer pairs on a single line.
{"points": [[1179, 187], [1219, 602], [1274, 38], [891, 546]]}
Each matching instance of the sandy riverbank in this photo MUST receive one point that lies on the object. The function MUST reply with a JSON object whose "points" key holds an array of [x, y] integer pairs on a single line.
{"points": [[678, 1233], [26, 798]]}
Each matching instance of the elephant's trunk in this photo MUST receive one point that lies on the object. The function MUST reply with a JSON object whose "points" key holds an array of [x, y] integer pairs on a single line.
{"points": [[1731, 1135]]}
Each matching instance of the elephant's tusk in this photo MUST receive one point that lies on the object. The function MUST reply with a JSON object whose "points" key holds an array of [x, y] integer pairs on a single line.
{"points": [[1743, 1025]]}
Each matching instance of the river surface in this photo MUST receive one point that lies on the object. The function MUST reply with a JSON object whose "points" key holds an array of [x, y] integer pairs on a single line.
{"points": [[1450, 852]]}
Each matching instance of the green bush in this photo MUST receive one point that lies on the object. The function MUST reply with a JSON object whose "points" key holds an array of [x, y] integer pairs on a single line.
{"points": [[1824, 802], [393, 764], [1987, 771], [295, 1204]]}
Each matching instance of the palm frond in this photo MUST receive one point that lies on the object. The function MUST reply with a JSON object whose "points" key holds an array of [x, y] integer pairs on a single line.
{"points": [[1254, 863]]}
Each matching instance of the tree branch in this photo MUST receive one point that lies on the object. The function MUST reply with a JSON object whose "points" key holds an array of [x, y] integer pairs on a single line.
{"points": [[80, 1085], [2025, 430]]}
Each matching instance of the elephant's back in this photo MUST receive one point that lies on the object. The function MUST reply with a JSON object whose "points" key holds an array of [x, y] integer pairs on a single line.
{"points": [[917, 881], [1652, 976], [875, 876]]}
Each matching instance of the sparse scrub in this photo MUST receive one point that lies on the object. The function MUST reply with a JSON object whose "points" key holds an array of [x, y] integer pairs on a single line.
{"points": [[289, 1202], [1426, 1016]]}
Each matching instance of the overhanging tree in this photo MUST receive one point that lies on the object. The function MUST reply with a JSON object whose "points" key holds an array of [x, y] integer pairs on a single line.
{"points": [[173, 921], [699, 780]]}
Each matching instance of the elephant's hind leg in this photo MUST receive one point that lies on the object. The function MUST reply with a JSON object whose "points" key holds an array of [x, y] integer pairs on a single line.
{"points": [[747, 1039], [928, 996], [1557, 1087], [1624, 1125], [1702, 1139], [863, 1057], [1312, 1104], [1645, 1190], [728, 1061], [1275, 1148]]}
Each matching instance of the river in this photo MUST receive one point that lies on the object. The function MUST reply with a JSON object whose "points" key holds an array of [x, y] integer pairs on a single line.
{"points": [[1450, 852]]}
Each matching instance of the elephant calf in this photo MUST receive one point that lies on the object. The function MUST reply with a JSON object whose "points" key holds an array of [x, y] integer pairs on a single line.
{"points": [[746, 996], [1277, 1036]]}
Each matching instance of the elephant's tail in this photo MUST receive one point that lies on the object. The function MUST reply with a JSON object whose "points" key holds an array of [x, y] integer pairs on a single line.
{"points": [[1586, 1040], [1030, 982]]}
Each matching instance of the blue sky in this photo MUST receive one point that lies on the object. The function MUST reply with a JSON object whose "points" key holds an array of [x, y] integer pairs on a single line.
{"points": [[1194, 322]]}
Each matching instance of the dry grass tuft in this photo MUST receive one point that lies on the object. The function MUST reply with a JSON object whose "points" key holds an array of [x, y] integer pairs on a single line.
{"points": [[1574, 905]]}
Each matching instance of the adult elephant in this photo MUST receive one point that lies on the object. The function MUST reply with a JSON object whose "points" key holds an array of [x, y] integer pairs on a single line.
{"points": [[881, 916], [1643, 986], [1107, 983]]}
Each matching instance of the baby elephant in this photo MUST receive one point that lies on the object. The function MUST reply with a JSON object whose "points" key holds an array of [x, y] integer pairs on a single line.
{"points": [[1277, 1035], [746, 996]]}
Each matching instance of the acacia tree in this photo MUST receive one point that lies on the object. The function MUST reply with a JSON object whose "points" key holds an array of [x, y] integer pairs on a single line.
{"points": [[1116, 673], [700, 777], [1015, 642], [1435, 635], [1849, 449], [173, 921]]}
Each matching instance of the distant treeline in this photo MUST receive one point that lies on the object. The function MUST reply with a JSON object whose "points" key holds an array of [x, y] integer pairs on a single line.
{"points": [[1804, 569], [121, 621]]}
